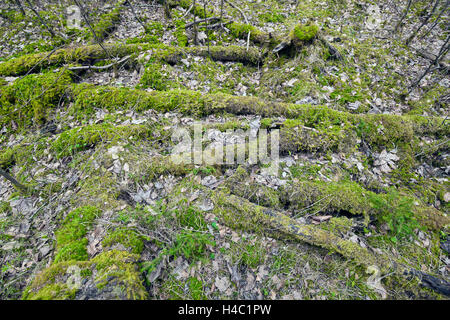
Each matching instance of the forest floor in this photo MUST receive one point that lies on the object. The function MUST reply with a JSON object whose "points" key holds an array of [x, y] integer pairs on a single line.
{"points": [[91, 117]]}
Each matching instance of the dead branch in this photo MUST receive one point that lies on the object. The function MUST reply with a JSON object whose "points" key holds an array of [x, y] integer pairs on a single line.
{"points": [[425, 21], [191, 24], [243, 15], [437, 18], [101, 67], [442, 52], [134, 13], [11, 179], [403, 16], [40, 18]]}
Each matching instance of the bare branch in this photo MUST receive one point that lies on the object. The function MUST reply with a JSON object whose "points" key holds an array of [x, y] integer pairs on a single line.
{"points": [[403, 16], [11, 179], [411, 37], [40, 18]]}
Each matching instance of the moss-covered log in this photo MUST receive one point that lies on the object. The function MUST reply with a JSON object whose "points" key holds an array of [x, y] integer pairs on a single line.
{"points": [[32, 99], [311, 120], [92, 53], [84, 54], [241, 30], [354, 199], [221, 53], [239, 213], [331, 198], [112, 274]]}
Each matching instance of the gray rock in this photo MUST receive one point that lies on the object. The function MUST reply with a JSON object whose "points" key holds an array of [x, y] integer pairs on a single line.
{"points": [[44, 250], [209, 181], [11, 245], [354, 105], [22, 206]]}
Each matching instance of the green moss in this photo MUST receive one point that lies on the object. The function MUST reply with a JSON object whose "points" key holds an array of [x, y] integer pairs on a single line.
{"points": [[107, 22], [349, 197], [77, 139], [266, 123], [75, 55], [340, 225], [70, 237], [247, 254], [398, 213], [4, 207], [172, 290], [180, 33], [153, 78], [377, 130], [12, 15], [303, 33], [196, 289], [262, 195], [229, 125], [127, 237], [55, 291], [7, 158], [110, 268], [191, 244], [121, 266], [32, 99]]}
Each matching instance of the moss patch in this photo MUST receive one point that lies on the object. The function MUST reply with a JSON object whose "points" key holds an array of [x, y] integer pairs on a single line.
{"points": [[127, 237], [70, 238], [303, 33], [32, 99]]}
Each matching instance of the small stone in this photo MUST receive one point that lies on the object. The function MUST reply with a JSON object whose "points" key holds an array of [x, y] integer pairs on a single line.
{"points": [[11, 245], [44, 250], [209, 181], [321, 218], [222, 283], [447, 197], [354, 105]]}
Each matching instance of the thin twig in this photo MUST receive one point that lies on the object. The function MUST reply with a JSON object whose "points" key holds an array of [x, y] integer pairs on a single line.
{"points": [[40, 18], [135, 15], [411, 37], [403, 16], [200, 21], [245, 18], [101, 67]]}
